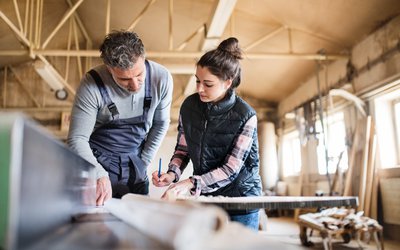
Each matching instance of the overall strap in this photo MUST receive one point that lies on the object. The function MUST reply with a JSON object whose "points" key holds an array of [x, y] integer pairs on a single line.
{"points": [[104, 94], [147, 97]]}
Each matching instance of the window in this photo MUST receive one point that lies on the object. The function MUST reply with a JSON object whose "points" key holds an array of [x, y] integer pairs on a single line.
{"points": [[291, 152], [396, 109], [387, 119], [335, 144]]}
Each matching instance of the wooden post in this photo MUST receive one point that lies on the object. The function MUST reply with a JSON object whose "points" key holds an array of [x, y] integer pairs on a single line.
{"points": [[336, 178], [353, 151], [300, 186], [375, 183], [370, 172], [364, 166]]}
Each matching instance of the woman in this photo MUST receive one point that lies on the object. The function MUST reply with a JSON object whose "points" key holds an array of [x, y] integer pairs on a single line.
{"points": [[218, 133]]}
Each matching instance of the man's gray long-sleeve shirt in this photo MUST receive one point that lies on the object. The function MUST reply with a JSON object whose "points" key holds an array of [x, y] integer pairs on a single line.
{"points": [[89, 111]]}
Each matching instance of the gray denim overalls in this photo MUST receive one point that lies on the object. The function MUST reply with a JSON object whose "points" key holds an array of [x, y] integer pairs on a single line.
{"points": [[118, 144]]}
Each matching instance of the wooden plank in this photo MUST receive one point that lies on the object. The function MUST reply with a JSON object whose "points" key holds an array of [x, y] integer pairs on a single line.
{"points": [[374, 198], [299, 191], [364, 165], [370, 172], [353, 151], [336, 177], [276, 202]]}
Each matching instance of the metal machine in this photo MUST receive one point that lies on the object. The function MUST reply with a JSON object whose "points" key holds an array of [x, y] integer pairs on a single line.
{"points": [[47, 196]]}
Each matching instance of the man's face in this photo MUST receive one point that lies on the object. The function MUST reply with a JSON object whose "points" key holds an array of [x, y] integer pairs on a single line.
{"points": [[130, 79]]}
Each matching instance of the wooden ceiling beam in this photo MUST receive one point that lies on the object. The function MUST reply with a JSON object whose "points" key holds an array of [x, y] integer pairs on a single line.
{"points": [[19, 34], [108, 17], [61, 23], [178, 54], [18, 15], [57, 75], [184, 43], [222, 11], [170, 26], [81, 26], [264, 38], [137, 19]]}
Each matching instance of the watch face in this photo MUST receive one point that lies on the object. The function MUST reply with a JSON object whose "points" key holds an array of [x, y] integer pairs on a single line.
{"points": [[61, 94]]}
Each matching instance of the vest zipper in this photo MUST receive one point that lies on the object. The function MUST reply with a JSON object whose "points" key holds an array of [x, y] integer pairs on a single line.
{"points": [[202, 140]]}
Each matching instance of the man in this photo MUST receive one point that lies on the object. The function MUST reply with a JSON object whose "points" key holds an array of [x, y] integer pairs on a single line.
{"points": [[120, 116]]}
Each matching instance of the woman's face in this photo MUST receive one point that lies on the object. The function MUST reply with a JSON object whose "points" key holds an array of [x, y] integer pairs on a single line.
{"points": [[209, 86]]}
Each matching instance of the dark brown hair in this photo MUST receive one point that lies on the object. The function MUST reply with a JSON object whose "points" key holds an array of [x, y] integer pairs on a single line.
{"points": [[223, 61]]}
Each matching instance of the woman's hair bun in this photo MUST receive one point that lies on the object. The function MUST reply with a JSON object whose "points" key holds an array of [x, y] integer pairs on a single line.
{"points": [[231, 46]]}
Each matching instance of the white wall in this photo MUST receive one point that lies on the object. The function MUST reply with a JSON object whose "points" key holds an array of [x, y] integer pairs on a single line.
{"points": [[366, 50]]}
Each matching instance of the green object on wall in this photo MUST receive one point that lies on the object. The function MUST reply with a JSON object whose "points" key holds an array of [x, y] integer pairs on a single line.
{"points": [[5, 152]]}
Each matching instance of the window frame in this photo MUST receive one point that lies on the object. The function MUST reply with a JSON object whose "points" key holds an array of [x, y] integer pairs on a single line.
{"points": [[330, 120], [396, 126], [292, 137]]}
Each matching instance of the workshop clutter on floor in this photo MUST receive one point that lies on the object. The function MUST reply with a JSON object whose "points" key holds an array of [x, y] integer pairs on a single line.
{"points": [[342, 222]]}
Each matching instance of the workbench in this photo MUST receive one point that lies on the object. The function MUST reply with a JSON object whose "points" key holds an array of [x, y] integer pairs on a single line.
{"points": [[48, 202], [277, 202]]}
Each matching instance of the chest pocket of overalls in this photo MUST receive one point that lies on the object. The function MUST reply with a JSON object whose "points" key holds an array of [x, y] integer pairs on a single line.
{"points": [[106, 160]]}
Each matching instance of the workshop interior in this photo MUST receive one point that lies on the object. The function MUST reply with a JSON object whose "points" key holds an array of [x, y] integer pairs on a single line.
{"points": [[322, 76]]}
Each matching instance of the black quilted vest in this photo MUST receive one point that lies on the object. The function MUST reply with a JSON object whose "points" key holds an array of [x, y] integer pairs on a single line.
{"points": [[210, 131]]}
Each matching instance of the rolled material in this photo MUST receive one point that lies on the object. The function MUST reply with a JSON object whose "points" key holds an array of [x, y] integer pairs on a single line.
{"points": [[181, 225]]}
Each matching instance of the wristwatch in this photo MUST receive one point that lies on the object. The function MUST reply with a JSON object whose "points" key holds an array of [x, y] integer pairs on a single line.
{"points": [[195, 184], [176, 176]]}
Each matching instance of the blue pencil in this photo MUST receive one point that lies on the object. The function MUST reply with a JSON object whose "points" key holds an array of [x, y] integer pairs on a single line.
{"points": [[159, 168]]}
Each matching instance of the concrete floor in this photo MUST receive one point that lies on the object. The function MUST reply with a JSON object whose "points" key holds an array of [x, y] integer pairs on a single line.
{"points": [[286, 231]]}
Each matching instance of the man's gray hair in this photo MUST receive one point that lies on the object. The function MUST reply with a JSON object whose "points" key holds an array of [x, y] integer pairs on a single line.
{"points": [[121, 49]]}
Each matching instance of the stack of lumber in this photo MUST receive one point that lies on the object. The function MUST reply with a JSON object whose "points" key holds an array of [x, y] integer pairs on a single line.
{"points": [[362, 167], [339, 221]]}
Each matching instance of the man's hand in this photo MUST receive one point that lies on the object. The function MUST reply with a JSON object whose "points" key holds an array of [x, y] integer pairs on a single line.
{"points": [[164, 180], [103, 190]]}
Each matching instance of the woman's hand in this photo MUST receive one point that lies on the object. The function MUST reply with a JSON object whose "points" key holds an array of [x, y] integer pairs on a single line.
{"points": [[164, 180], [179, 189]]}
